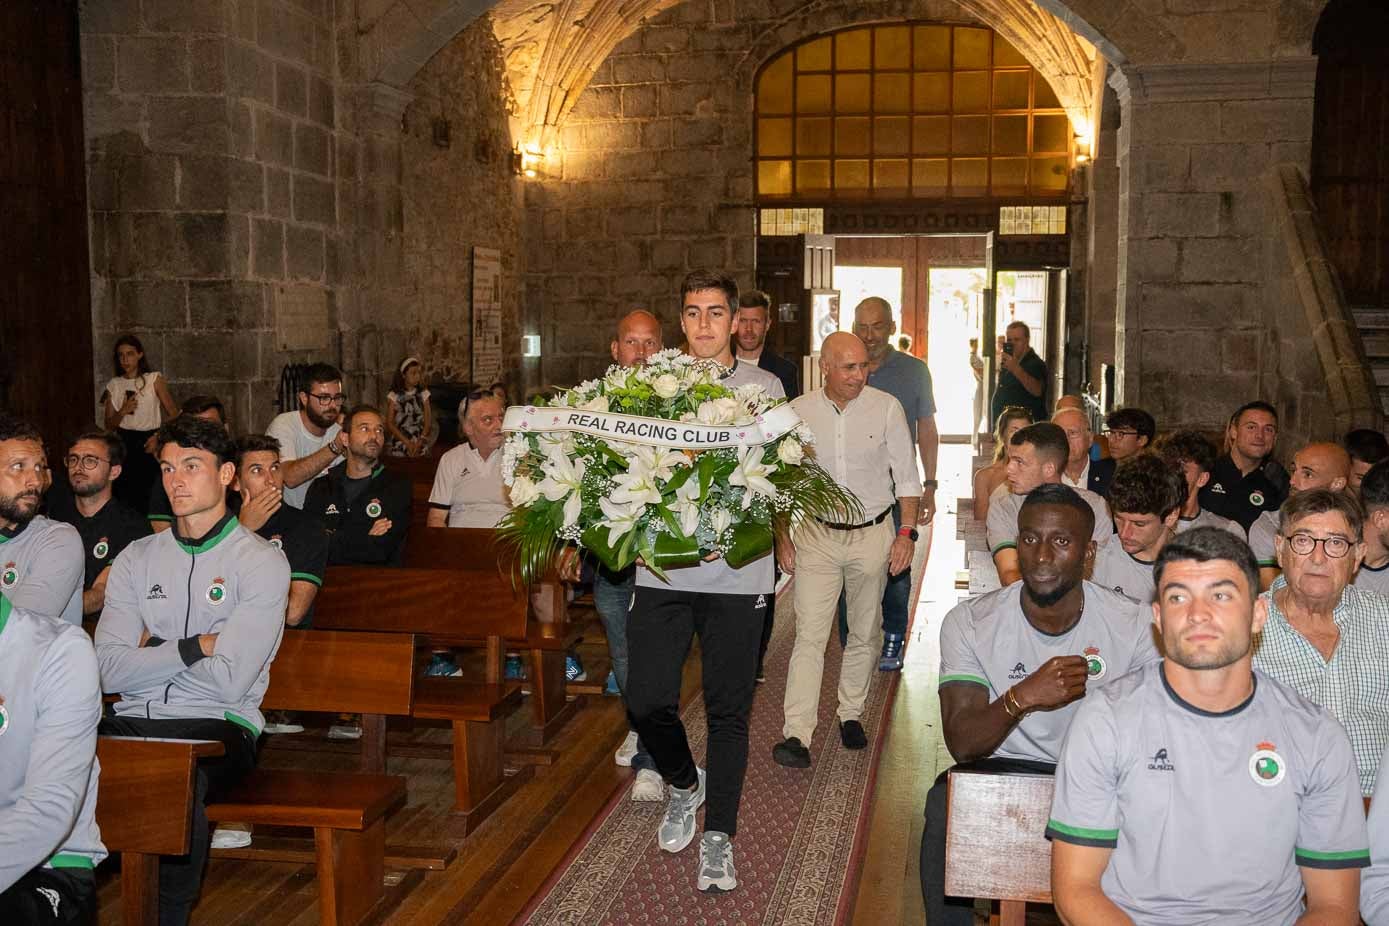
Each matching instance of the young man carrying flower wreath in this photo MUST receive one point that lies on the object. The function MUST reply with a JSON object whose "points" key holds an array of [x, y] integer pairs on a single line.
{"points": [[685, 465], [725, 606]]}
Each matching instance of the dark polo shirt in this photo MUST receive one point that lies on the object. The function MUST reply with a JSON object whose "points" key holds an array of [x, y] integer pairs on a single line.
{"points": [[1240, 498]]}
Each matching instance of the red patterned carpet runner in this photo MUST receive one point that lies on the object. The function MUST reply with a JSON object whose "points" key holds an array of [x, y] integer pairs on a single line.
{"points": [[801, 832]]}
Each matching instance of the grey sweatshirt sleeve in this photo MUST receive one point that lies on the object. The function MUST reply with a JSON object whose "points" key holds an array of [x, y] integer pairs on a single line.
{"points": [[49, 589], [125, 665], [62, 758], [251, 634]]}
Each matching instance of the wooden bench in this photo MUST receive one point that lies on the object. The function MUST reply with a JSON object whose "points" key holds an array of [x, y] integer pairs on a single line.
{"points": [[144, 808], [371, 674], [994, 843], [435, 603], [547, 637]]}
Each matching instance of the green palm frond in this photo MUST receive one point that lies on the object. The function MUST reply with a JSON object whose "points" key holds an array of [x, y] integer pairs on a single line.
{"points": [[527, 537]]}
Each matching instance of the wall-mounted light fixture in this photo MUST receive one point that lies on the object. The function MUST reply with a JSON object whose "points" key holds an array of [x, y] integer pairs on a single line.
{"points": [[530, 345], [527, 160], [1083, 144]]}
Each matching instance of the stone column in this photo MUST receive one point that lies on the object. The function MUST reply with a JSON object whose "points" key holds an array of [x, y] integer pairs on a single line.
{"points": [[1100, 247], [1204, 318]]}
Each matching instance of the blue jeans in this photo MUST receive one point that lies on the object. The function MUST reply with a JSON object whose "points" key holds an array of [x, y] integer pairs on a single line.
{"points": [[612, 597], [896, 596]]}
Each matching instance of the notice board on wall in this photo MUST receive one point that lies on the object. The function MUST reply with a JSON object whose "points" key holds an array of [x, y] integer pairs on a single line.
{"points": [[487, 316]]}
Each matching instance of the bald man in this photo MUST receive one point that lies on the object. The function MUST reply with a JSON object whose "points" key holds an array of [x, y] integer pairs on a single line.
{"points": [[908, 381], [1322, 465], [1082, 472], [638, 337], [863, 441]]}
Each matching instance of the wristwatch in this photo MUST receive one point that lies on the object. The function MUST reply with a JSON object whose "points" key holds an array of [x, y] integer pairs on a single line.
{"points": [[908, 532], [929, 484]]}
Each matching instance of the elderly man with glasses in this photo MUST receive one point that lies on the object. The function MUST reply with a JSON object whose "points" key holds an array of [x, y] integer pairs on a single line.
{"points": [[311, 439], [1324, 637]]}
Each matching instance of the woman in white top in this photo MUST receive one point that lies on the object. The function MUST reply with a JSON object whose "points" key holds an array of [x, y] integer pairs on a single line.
{"points": [[134, 404]]}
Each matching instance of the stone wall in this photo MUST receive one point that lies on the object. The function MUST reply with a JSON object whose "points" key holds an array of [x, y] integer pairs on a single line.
{"points": [[458, 197], [210, 176]]}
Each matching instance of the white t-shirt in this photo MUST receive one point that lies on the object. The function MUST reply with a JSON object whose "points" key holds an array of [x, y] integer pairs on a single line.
{"points": [[470, 488], [296, 443], [146, 416]]}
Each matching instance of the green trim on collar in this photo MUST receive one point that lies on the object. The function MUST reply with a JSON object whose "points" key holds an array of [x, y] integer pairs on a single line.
{"points": [[5, 609], [210, 542], [380, 468]]}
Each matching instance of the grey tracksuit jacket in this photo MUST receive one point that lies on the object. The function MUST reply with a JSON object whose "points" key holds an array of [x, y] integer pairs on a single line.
{"points": [[41, 568], [48, 767], [231, 583]]}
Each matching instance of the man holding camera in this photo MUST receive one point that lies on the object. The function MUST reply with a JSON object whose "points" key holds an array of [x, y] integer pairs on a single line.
{"points": [[1022, 375]]}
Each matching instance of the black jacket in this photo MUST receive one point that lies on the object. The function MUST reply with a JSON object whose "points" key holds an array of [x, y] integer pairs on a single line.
{"points": [[350, 543], [783, 370], [1101, 475]]}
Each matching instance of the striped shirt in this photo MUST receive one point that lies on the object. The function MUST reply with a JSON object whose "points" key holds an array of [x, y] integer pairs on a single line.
{"points": [[1353, 686]]}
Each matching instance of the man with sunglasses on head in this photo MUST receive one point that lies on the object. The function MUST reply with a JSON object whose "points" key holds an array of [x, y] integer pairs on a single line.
{"points": [[311, 439], [106, 524], [1324, 637]]}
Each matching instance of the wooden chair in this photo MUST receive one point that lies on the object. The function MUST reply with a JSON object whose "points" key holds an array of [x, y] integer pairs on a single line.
{"points": [[370, 674], [994, 842], [447, 607], [144, 809]]}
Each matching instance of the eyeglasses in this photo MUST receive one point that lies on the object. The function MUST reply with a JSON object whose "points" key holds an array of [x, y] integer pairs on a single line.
{"points": [[1122, 432], [322, 398], [87, 461], [1304, 544]]}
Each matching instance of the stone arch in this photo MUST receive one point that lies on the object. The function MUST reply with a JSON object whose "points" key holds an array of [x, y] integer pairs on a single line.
{"points": [[553, 47]]}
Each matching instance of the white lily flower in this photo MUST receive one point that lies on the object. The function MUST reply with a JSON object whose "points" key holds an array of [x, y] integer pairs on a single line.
{"points": [[619, 518], [687, 506], [638, 484], [523, 492], [752, 473], [616, 377], [720, 520], [660, 461], [564, 476]]}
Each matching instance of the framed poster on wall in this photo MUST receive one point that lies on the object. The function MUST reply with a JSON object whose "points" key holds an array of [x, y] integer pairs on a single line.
{"points": [[487, 316]]}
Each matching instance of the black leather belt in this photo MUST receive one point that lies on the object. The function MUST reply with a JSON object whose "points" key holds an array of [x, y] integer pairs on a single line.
{"points": [[857, 527]]}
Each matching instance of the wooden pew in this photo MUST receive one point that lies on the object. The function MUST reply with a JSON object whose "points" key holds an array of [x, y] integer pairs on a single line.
{"points": [[439, 604], [371, 674], [144, 808], [547, 637], [994, 842]]}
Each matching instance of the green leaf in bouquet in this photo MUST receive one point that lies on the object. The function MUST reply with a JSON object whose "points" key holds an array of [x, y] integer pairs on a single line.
{"points": [[707, 464], [669, 519], [681, 476], [595, 539], [808, 491], [530, 538], [751, 540], [670, 551]]}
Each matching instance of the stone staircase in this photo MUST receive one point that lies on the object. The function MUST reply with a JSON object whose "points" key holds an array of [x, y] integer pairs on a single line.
{"points": [[1373, 322]]}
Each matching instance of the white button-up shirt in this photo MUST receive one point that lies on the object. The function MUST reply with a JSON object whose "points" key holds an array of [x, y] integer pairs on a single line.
{"points": [[1080, 482], [867, 447]]}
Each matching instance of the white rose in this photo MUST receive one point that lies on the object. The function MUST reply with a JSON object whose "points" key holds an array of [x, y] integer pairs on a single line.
{"points": [[667, 386], [717, 411], [596, 404], [789, 451], [523, 492]]}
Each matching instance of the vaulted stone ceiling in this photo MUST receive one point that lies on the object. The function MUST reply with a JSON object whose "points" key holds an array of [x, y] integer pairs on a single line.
{"points": [[553, 47]]}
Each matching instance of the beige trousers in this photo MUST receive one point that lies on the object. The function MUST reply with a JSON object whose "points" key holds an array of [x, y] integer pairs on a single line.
{"points": [[826, 561]]}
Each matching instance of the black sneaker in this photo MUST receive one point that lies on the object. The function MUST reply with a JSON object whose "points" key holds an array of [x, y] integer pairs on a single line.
{"points": [[791, 754], [851, 734]]}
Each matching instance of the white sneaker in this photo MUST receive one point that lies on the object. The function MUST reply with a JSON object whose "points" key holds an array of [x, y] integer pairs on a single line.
{"points": [[627, 750], [678, 826], [716, 872], [281, 722], [650, 785], [342, 731], [231, 836]]}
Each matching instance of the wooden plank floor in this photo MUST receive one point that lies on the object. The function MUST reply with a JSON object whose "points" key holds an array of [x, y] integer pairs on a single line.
{"points": [[503, 863]]}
